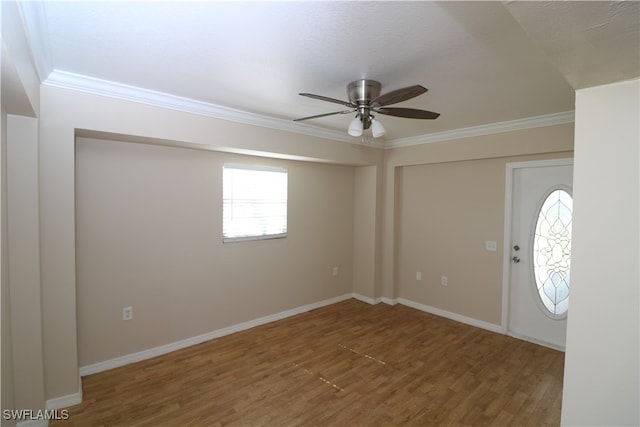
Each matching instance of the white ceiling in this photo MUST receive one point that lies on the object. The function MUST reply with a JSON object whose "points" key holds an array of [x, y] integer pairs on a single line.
{"points": [[483, 62]]}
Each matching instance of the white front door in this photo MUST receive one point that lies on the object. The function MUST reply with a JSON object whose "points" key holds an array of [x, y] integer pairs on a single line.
{"points": [[539, 251]]}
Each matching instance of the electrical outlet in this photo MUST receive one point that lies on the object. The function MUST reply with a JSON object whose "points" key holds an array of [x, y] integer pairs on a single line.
{"points": [[491, 245], [335, 271], [127, 313], [418, 275], [444, 281]]}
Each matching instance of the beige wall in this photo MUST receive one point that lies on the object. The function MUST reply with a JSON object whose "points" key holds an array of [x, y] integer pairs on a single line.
{"points": [[398, 264], [446, 213], [66, 113], [365, 222], [602, 378], [149, 235], [24, 261], [155, 207]]}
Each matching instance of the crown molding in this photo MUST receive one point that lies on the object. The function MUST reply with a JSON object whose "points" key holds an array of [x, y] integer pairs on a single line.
{"points": [[34, 22], [100, 87], [77, 82], [488, 129]]}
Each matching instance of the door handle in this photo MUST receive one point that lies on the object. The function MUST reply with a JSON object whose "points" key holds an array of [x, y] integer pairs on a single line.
{"points": [[515, 259]]}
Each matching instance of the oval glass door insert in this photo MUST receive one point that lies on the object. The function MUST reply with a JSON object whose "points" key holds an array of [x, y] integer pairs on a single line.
{"points": [[552, 253]]}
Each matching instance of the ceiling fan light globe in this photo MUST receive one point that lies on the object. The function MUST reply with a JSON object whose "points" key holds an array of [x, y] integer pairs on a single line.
{"points": [[355, 127], [377, 130]]}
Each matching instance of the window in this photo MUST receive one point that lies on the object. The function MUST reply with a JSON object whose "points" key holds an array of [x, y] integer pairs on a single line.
{"points": [[254, 203], [552, 252]]}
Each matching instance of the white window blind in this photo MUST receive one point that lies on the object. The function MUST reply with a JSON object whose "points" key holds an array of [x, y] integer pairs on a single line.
{"points": [[254, 202]]}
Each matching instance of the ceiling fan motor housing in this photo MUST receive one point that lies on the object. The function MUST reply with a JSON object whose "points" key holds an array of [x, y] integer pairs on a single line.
{"points": [[361, 93]]}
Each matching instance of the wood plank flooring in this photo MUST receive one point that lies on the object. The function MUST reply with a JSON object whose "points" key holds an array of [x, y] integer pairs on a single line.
{"points": [[348, 364]]}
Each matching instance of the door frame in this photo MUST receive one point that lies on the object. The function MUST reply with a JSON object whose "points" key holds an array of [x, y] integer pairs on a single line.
{"points": [[506, 245]]}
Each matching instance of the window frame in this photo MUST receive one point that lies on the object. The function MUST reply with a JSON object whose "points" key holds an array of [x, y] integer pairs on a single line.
{"points": [[254, 236]]}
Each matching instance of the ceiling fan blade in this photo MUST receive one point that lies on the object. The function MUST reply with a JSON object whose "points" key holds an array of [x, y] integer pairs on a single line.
{"points": [[410, 113], [324, 115], [399, 95], [326, 98]]}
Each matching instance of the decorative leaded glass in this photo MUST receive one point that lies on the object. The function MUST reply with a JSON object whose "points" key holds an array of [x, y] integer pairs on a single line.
{"points": [[552, 252]]}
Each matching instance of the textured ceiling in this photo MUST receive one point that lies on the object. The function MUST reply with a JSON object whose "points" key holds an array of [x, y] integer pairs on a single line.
{"points": [[591, 43], [483, 62]]}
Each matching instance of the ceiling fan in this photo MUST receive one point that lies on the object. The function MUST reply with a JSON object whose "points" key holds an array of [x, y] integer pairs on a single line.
{"points": [[365, 99]]}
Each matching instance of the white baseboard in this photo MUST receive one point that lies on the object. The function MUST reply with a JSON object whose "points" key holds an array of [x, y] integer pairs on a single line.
{"points": [[168, 348], [54, 405], [65, 401], [536, 341], [368, 300], [33, 423], [374, 301], [389, 301], [453, 316]]}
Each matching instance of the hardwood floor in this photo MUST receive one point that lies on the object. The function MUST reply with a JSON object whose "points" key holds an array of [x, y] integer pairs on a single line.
{"points": [[348, 364]]}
